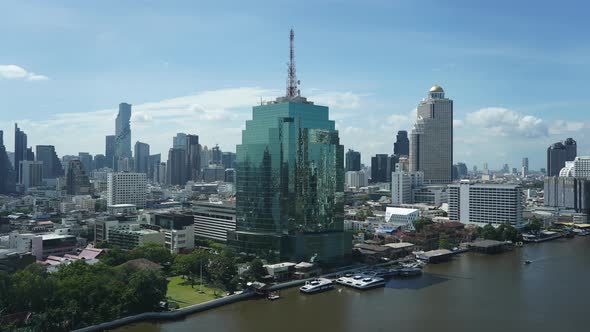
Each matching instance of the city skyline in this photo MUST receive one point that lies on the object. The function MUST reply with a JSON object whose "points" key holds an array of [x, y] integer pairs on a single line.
{"points": [[371, 96]]}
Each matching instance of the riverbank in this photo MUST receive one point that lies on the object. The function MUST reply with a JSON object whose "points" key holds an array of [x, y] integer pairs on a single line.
{"points": [[473, 292]]}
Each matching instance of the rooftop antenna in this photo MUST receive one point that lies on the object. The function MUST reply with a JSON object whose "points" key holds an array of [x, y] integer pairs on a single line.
{"points": [[292, 82]]}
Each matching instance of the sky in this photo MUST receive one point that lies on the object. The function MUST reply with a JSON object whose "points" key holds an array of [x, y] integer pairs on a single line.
{"points": [[517, 71]]}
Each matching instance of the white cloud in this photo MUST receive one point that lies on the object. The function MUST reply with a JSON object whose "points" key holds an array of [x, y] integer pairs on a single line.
{"points": [[17, 72], [563, 126], [341, 100], [499, 121]]}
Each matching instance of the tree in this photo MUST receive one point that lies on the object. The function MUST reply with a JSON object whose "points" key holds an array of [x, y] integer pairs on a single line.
{"points": [[420, 223], [144, 291], [489, 232], [114, 257], [223, 271], [534, 225], [154, 252], [507, 232], [256, 270], [443, 241], [190, 265]]}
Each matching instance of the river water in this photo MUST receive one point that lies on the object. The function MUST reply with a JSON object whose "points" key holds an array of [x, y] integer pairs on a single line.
{"points": [[473, 292]]}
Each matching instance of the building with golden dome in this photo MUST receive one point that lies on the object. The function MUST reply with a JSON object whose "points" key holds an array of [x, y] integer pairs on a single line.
{"points": [[431, 139]]}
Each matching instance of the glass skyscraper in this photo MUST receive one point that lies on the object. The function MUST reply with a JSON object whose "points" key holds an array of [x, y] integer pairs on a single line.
{"points": [[290, 184], [123, 132]]}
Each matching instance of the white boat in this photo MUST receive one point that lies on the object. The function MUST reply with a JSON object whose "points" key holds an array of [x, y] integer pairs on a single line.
{"points": [[317, 286], [361, 282]]}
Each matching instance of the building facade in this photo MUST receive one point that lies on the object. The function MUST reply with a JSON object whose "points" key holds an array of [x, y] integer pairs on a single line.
{"points": [[356, 179], [123, 133], [212, 220], [51, 165], [402, 185], [401, 147], [30, 174], [486, 203], [290, 182], [193, 158], [176, 167], [142, 157], [7, 173], [353, 161], [431, 139], [126, 188], [77, 181]]}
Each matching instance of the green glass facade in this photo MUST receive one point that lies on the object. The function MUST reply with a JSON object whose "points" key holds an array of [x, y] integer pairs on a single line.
{"points": [[290, 184]]}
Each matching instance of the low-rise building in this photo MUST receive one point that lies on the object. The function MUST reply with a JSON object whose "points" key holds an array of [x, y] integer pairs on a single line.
{"points": [[212, 220], [401, 218], [130, 236]]}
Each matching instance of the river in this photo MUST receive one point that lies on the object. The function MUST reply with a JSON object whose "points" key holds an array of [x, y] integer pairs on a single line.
{"points": [[473, 292]]}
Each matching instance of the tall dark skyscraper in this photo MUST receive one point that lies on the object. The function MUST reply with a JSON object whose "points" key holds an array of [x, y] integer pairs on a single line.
{"points": [[109, 151], [558, 153], [77, 182], [100, 161], [228, 159], [52, 167], [20, 149], [176, 167], [290, 182], [142, 157], [401, 147], [571, 149], [7, 174], [154, 167], [193, 158], [87, 161], [353, 160], [379, 168], [123, 132], [216, 155]]}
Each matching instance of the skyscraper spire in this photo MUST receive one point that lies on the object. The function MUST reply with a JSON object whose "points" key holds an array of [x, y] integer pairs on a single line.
{"points": [[292, 82]]}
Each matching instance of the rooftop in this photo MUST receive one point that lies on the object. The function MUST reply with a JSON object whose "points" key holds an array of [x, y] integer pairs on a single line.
{"points": [[399, 245], [400, 211]]}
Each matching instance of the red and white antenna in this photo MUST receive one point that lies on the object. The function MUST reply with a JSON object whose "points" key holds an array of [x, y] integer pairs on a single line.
{"points": [[292, 82]]}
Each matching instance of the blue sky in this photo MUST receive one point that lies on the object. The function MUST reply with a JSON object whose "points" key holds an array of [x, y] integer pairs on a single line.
{"points": [[516, 70]]}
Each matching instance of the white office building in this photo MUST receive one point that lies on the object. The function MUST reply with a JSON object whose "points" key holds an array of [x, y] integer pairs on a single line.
{"points": [[402, 218], [356, 179], [402, 184], [214, 219], [480, 204], [126, 188]]}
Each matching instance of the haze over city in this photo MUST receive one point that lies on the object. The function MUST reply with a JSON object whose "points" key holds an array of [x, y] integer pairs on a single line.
{"points": [[515, 80]]}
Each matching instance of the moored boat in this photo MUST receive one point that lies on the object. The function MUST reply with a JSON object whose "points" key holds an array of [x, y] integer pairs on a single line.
{"points": [[317, 286]]}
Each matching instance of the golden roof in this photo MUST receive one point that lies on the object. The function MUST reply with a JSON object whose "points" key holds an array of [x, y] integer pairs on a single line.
{"points": [[436, 88]]}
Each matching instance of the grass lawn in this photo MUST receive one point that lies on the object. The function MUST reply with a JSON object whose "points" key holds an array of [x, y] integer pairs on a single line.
{"points": [[180, 291]]}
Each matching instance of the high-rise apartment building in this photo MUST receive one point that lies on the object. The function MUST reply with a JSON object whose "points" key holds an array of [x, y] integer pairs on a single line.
{"points": [[30, 174], [356, 179], [142, 157], [353, 161], [123, 132], [486, 203], [126, 188], [402, 184], [52, 167], [431, 139], [401, 147], [290, 182]]}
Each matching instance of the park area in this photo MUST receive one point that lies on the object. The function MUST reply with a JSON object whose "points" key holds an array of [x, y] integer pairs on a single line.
{"points": [[181, 292]]}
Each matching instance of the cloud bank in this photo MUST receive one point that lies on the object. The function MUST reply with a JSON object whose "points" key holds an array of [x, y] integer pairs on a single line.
{"points": [[17, 72]]}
